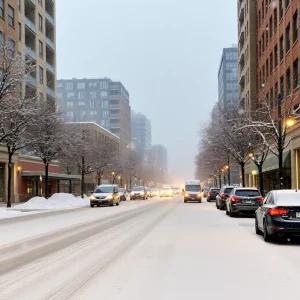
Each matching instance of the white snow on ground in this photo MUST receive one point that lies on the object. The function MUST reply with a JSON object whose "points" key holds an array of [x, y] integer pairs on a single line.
{"points": [[57, 201], [7, 213]]}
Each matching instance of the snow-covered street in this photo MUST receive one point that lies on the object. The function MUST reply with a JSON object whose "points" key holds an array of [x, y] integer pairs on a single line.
{"points": [[156, 249]]}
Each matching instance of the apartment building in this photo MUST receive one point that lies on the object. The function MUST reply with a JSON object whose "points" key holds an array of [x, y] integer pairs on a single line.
{"points": [[247, 54], [228, 76], [102, 101], [278, 49], [141, 132]]}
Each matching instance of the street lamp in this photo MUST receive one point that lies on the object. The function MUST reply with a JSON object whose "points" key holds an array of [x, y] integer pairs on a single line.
{"points": [[280, 142]]}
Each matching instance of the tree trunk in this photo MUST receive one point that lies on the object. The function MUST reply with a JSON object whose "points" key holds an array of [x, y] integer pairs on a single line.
{"points": [[228, 176], [9, 179], [242, 164], [70, 186], [99, 178], [46, 179], [220, 181], [82, 176], [261, 180]]}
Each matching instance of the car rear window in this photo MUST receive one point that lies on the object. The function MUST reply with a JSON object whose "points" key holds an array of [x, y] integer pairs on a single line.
{"points": [[288, 199], [247, 193], [215, 190], [228, 190]]}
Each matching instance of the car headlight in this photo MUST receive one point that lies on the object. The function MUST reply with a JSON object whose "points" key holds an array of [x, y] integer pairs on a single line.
{"points": [[92, 197], [132, 193], [142, 193], [109, 197], [199, 195], [186, 195]]}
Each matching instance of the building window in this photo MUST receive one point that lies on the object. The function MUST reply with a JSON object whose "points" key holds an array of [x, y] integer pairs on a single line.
{"points": [[20, 31], [81, 85], [11, 47], [103, 94], [295, 73], [271, 27], [41, 2], [267, 35], [41, 49], [41, 75], [276, 56], [282, 86], [276, 90], [287, 3], [81, 103], [271, 98], [20, 5], [93, 84], [40, 23], [104, 104], [271, 62], [59, 95], [267, 68], [2, 8], [69, 85], [92, 104], [281, 48], [275, 19], [70, 104], [288, 81], [70, 95], [288, 37], [280, 9], [41, 97], [263, 42], [295, 27], [93, 95], [81, 95], [70, 115], [103, 85], [11, 16]]}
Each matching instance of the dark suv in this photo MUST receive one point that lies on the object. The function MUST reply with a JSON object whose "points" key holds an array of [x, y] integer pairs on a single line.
{"points": [[212, 194], [243, 200], [222, 196]]}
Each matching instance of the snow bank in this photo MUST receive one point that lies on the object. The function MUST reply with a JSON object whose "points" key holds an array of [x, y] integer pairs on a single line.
{"points": [[6, 213], [57, 201]]}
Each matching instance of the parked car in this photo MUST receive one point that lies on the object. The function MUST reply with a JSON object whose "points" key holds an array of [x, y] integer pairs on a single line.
{"points": [[243, 200], [148, 190], [105, 194], [166, 192], [212, 194], [124, 194], [222, 196], [279, 215], [155, 192], [138, 192]]}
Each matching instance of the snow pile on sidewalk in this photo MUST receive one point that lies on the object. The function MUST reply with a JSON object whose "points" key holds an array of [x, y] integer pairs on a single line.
{"points": [[6, 213], [57, 201]]}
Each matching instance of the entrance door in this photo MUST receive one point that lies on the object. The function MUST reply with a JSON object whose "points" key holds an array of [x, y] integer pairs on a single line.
{"points": [[2, 183]]}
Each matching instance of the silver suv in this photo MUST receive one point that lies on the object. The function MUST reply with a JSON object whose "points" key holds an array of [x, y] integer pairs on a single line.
{"points": [[105, 194]]}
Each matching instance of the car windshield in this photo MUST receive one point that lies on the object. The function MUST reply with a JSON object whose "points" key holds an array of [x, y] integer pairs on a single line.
{"points": [[193, 188], [247, 193], [104, 189], [288, 199], [138, 188], [121, 190], [228, 190]]}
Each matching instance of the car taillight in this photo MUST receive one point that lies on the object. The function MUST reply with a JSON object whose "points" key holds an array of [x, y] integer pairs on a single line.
{"points": [[223, 196], [211, 193], [260, 199], [235, 199], [278, 211]]}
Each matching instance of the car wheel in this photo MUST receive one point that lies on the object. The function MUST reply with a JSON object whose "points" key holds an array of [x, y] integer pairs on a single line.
{"points": [[111, 203], [208, 200], [217, 205], [231, 214], [185, 201], [267, 236], [257, 231], [118, 203], [92, 205], [199, 201], [221, 207], [227, 213]]}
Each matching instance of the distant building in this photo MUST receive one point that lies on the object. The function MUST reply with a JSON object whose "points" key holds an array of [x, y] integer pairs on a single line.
{"points": [[228, 76], [102, 101], [158, 155], [141, 132]]}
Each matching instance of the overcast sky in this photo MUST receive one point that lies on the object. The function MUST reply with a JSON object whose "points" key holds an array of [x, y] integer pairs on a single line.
{"points": [[165, 52]]}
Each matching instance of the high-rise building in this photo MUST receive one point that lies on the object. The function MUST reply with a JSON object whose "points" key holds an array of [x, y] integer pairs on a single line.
{"points": [[158, 155], [228, 76], [278, 50], [102, 101], [141, 132], [247, 54], [28, 27]]}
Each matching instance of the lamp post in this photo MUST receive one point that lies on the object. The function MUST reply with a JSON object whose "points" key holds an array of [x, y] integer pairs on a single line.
{"points": [[280, 143], [227, 167], [113, 177]]}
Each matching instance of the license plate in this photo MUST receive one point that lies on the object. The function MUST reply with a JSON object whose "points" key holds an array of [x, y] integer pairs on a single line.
{"points": [[298, 214], [248, 201]]}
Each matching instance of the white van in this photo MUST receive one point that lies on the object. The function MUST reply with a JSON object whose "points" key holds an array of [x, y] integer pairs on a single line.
{"points": [[192, 191]]}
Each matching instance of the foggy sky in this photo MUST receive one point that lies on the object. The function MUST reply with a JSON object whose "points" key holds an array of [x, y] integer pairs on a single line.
{"points": [[165, 52]]}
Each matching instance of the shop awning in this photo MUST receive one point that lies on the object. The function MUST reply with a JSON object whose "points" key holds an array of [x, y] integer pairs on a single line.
{"points": [[33, 174], [271, 163]]}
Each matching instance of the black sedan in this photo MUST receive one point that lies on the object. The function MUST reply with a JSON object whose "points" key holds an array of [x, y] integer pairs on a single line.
{"points": [[212, 194], [222, 196], [279, 215], [243, 201]]}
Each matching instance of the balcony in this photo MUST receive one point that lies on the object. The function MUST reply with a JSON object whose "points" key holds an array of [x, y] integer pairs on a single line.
{"points": [[50, 43], [50, 19], [30, 25], [115, 116], [242, 96], [115, 106], [242, 34], [30, 80], [115, 126], [242, 57], [30, 52], [50, 92], [242, 11], [50, 68], [242, 77]]}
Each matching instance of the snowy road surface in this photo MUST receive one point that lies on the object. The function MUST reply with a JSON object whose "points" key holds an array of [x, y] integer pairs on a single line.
{"points": [[158, 249]]}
